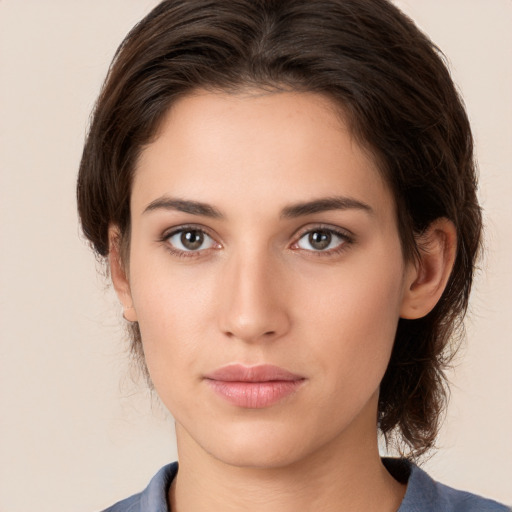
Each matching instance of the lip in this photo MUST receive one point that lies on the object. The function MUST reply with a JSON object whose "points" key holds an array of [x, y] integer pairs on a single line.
{"points": [[253, 387]]}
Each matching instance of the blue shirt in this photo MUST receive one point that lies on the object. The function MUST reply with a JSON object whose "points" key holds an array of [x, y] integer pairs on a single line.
{"points": [[423, 494]]}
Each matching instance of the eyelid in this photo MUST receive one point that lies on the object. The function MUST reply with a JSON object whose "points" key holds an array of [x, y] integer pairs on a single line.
{"points": [[184, 227], [343, 232]]}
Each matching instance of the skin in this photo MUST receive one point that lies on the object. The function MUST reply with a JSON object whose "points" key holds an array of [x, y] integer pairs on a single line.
{"points": [[258, 291]]}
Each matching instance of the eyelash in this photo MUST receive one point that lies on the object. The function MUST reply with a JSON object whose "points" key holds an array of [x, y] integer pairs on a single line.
{"points": [[346, 240]]}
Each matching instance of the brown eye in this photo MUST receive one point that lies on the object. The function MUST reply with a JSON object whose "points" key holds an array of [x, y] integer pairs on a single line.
{"points": [[319, 240], [192, 240], [322, 240], [188, 240]]}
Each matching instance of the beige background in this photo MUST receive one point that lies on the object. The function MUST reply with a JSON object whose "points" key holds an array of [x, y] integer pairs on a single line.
{"points": [[75, 433]]}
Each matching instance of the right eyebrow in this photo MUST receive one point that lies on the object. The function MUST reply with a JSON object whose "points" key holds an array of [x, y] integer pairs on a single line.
{"points": [[181, 205]]}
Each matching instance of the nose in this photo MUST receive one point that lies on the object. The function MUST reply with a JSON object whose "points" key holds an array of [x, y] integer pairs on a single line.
{"points": [[253, 304]]}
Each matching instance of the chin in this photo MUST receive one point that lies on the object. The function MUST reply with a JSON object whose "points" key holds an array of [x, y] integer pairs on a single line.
{"points": [[259, 446]]}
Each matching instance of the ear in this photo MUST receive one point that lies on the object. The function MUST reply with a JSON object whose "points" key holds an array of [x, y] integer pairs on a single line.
{"points": [[426, 279], [119, 275]]}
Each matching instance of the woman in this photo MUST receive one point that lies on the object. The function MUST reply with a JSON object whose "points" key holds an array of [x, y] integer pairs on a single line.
{"points": [[285, 193]]}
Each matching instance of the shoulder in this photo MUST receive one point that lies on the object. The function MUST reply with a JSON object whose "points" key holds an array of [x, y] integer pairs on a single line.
{"points": [[153, 498], [425, 494]]}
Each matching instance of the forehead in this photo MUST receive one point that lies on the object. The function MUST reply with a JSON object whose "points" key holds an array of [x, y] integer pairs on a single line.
{"points": [[259, 147]]}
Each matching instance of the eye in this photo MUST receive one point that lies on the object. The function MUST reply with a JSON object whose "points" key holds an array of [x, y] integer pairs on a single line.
{"points": [[322, 240], [190, 240]]}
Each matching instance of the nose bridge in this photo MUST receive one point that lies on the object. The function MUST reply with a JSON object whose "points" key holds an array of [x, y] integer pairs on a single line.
{"points": [[252, 307]]}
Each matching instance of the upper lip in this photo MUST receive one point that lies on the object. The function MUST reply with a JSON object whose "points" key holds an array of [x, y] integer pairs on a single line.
{"points": [[260, 373]]}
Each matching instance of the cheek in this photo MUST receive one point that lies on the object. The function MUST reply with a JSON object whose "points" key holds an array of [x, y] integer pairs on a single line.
{"points": [[173, 306], [353, 319]]}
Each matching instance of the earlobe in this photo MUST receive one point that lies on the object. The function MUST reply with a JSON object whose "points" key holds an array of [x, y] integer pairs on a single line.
{"points": [[428, 277], [118, 275]]}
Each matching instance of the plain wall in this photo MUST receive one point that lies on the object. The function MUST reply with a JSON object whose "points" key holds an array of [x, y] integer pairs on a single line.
{"points": [[75, 432]]}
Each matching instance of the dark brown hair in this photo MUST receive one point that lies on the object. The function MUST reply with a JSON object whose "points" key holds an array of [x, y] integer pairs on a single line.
{"points": [[395, 91]]}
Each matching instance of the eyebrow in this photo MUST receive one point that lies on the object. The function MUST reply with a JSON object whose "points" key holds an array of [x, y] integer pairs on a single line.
{"points": [[292, 211], [181, 205], [323, 205]]}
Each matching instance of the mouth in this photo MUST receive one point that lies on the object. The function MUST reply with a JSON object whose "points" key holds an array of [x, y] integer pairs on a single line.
{"points": [[253, 387]]}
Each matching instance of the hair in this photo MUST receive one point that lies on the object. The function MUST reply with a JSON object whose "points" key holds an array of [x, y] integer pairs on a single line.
{"points": [[395, 91]]}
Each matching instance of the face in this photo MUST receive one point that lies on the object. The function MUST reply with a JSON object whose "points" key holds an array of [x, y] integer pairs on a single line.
{"points": [[266, 274]]}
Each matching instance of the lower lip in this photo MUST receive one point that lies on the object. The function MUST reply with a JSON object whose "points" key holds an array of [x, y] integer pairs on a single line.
{"points": [[255, 395]]}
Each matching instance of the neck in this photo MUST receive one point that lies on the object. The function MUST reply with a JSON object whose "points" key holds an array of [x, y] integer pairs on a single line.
{"points": [[341, 476]]}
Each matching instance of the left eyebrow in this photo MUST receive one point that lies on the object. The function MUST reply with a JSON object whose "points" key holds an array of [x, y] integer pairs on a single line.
{"points": [[324, 204]]}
